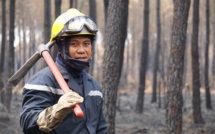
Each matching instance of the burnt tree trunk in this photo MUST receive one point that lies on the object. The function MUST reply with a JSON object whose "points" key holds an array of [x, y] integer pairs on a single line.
{"points": [[47, 21], [213, 62], [92, 12], [24, 44], [47, 28], [57, 4], [8, 90], [197, 116], [175, 67], [206, 77], [115, 32], [57, 8], [76, 4], [143, 59], [157, 52], [106, 3], [70, 3], [3, 41]]}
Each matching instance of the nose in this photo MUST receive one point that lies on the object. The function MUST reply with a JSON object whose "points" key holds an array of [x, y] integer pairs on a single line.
{"points": [[80, 49]]}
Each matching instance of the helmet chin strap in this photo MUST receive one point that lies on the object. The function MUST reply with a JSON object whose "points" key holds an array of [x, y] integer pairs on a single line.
{"points": [[76, 64]]}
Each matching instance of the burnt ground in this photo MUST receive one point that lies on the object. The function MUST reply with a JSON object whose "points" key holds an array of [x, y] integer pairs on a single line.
{"points": [[152, 121]]}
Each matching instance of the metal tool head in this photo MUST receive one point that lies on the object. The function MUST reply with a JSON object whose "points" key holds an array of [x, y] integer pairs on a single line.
{"points": [[15, 79]]}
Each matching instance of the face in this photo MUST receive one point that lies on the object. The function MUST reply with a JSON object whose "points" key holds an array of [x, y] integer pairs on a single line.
{"points": [[80, 48]]}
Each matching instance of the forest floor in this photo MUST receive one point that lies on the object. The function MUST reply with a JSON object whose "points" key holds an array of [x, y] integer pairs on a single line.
{"points": [[151, 121]]}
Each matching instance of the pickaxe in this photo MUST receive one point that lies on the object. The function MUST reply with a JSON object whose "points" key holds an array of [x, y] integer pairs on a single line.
{"points": [[43, 50]]}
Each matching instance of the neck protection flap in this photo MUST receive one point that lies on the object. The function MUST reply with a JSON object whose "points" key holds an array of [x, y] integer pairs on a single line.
{"points": [[76, 64]]}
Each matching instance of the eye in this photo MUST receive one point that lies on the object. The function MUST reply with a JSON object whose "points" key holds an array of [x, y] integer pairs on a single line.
{"points": [[73, 44], [86, 44]]}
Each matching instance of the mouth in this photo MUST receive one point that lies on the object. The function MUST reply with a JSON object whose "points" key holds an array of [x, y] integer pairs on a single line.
{"points": [[81, 58]]}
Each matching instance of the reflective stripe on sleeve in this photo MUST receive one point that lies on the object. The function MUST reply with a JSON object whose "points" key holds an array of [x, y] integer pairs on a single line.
{"points": [[43, 88], [95, 93]]}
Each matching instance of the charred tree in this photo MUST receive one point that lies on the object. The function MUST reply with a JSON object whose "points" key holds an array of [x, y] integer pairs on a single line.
{"points": [[197, 116], [47, 28], [7, 94], [3, 41], [115, 32], [157, 52], [106, 3], [213, 62], [206, 77], [94, 17], [143, 59], [47, 20], [70, 3], [75, 3], [57, 13], [174, 98]]}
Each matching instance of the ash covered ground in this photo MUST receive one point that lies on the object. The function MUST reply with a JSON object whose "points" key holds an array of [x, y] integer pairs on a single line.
{"points": [[151, 121]]}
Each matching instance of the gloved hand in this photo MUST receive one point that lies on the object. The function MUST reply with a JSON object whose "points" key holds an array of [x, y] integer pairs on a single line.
{"points": [[52, 116]]}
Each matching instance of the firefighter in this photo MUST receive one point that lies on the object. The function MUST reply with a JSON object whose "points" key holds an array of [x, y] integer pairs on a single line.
{"points": [[45, 109]]}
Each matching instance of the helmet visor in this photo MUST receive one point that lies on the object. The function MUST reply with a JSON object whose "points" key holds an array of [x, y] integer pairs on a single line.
{"points": [[77, 24]]}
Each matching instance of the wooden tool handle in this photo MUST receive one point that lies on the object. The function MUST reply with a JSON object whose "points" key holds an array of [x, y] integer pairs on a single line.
{"points": [[62, 83]]}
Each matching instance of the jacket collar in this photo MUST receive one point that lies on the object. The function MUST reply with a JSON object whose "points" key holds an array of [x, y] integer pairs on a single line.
{"points": [[72, 82], [63, 71]]}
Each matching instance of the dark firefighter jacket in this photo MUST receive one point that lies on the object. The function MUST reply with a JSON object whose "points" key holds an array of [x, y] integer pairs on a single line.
{"points": [[43, 91]]}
